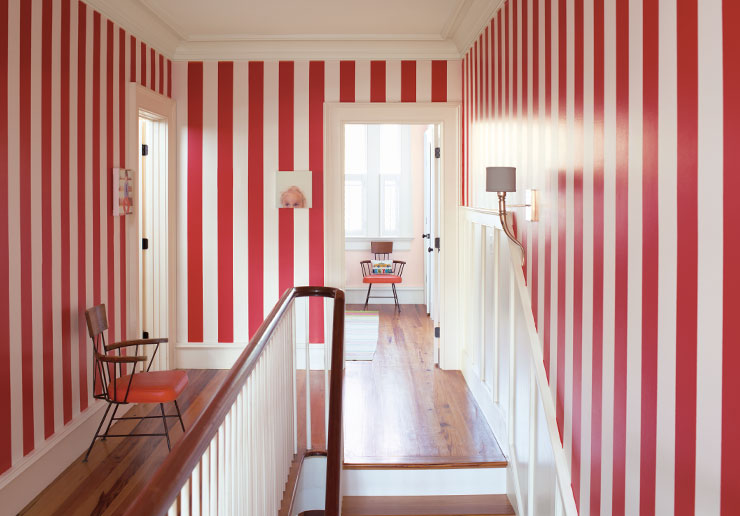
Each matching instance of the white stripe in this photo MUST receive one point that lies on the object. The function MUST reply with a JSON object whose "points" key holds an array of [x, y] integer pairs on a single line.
{"points": [[180, 94], [610, 157], [241, 201], [37, 254], [56, 225], [71, 126], [393, 81], [553, 189], [667, 163], [88, 236], [210, 201], [634, 266], [710, 212], [423, 80], [454, 80], [300, 157], [362, 80], [588, 257], [14, 232], [270, 153], [331, 81], [542, 156]]}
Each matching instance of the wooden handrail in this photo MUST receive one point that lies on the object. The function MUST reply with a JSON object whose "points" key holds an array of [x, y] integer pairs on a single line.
{"points": [[171, 476]]}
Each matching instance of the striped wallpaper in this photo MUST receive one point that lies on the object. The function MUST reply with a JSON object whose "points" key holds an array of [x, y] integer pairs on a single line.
{"points": [[614, 110], [240, 122], [63, 68]]}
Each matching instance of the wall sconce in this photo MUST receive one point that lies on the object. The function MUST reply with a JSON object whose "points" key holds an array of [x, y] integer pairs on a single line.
{"points": [[502, 180]]}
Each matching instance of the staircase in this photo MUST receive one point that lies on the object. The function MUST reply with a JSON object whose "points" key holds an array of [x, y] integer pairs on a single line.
{"points": [[478, 505]]}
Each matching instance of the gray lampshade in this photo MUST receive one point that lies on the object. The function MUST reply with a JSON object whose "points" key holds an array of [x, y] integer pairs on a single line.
{"points": [[500, 179]]}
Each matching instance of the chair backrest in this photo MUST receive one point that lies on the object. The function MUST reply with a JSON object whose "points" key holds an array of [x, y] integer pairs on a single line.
{"points": [[381, 250], [97, 322]]}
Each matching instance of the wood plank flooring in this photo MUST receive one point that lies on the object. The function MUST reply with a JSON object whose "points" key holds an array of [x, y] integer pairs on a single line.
{"points": [[118, 468], [400, 409]]}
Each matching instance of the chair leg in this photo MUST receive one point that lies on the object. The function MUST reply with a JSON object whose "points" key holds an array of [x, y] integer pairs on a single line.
{"points": [[395, 297], [369, 286], [164, 422], [107, 429], [179, 416], [96, 433]]}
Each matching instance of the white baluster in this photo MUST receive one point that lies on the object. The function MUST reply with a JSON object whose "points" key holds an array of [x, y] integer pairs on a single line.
{"points": [[195, 483], [185, 499], [206, 489], [213, 494]]}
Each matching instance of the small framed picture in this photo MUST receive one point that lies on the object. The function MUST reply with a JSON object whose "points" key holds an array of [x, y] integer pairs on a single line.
{"points": [[294, 189], [123, 191]]}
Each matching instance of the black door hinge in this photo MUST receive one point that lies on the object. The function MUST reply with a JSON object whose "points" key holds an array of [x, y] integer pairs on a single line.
{"points": [[144, 149], [145, 243], [437, 152], [436, 243], [145, 335], [436, 332]]}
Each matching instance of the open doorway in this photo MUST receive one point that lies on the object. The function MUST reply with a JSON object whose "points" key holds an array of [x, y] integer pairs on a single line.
{"points": [[391, 217]]}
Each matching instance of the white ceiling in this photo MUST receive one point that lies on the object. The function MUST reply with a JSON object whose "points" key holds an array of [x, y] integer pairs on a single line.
{"points": [[223, 29]]}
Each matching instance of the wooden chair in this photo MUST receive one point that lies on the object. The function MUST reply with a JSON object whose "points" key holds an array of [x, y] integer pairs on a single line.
{"points": [[382, 251], [112, 384]]}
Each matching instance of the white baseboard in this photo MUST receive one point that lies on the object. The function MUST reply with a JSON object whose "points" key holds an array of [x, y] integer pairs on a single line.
{"points": [[406, 295], [207, 355], [34, 472], [423, 482]]}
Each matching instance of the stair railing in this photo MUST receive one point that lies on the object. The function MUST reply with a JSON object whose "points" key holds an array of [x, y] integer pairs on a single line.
{"points": [[236, 457]]}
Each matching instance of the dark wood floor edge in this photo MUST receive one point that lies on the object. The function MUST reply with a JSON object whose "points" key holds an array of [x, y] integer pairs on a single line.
{"points": [[433, 464]]}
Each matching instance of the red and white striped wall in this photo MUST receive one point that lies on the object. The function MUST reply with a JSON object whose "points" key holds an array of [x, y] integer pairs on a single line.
{"points": [[63, 68], [625, 115], [239, 123]]}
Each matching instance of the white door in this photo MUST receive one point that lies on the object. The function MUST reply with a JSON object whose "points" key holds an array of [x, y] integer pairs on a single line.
{"points": [[426, 237], [435, 241]]}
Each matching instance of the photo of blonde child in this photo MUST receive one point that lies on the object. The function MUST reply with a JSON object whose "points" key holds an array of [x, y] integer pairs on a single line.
{"points": [[292, 198], [293, 189]]}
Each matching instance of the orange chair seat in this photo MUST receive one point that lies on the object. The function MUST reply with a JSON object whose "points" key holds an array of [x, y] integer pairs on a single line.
{"points": [[382, 278], [153, 387]]}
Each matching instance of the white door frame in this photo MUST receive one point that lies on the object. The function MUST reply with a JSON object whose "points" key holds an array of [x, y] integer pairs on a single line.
{"points": [[448, 115], [139, 98]]}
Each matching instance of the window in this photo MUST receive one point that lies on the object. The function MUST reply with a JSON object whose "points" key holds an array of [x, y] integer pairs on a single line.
{"points": [[377, 181]]}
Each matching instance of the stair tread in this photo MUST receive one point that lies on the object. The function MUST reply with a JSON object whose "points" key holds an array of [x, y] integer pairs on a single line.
{"points": [[423, 462], [444, 505]]}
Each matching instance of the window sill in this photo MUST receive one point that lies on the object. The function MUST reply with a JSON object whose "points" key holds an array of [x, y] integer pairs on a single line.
{"points": [[363, 243]]}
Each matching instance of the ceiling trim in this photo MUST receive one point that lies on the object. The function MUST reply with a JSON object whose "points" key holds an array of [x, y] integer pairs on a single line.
{"points": [[463, 6], [138, 21], [220, 38], [473, 22], [316, 49]]}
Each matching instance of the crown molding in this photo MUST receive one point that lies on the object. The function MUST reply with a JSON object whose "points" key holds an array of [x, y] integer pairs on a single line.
{"points": [[452, 25], [137, 19], [299, 49], [473, 22]]}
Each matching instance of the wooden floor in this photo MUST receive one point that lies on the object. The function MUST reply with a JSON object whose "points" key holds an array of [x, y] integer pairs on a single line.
{"points": [[119, 467], [400, 409]]}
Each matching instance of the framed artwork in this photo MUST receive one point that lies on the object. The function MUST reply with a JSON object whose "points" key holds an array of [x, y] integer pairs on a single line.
{"points": [[123, 191], [294, 189]]}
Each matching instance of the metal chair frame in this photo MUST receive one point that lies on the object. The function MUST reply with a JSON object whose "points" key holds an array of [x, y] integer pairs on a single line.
{"points": [[382, 251], [104, 371]]}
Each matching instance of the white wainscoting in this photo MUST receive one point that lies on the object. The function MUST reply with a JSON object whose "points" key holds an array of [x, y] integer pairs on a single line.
{"points": [[406, 295]]}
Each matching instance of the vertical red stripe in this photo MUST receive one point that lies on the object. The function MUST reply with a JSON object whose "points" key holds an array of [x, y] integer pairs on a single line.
{"points": [[315, 214], [474, 82], [650, 225], [81, 195], [499, 16], [161, 74], [96, 172], [408, 81], [25, 226], [152, 70], [377, 81], [195, 201], [47, 310], [286, 246], [515, 50], [64, 212], [255, 207], [537, 116], [548, 234], [730, 494], [169, 78], [621, 258], [122, 153], [439, 81], [486, 68], [113, 302], [142, 57], [507, 71], [132, 78], [577, 249], [464, 131], [5, 449], [225, 201], [598, 274], [347, 81]]}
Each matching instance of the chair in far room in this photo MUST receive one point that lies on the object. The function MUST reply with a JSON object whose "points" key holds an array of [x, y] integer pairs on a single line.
{"points": [[382, 270]]}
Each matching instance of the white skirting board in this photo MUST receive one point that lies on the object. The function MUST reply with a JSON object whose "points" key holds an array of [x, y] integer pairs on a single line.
{"points": [[34, 472], [406, 295], [423, 482], [223, 356]]}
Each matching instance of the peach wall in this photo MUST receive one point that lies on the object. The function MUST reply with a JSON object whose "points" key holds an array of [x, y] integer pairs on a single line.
{"points": [[413, 275]]}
